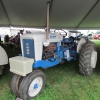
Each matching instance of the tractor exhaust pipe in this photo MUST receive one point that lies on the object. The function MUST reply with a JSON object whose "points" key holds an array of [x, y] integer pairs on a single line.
{"points": [[46, 41], [47, 29]]}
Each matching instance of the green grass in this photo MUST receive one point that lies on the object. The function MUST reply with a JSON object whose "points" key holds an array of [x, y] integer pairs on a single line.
{"points": [[63, 82]]}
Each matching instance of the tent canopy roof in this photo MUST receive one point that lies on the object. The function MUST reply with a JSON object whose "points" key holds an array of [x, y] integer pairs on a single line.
{"points": [[69, 14]]}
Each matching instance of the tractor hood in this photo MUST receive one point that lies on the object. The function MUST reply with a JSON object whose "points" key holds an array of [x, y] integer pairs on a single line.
{"points": [[41, 36]]}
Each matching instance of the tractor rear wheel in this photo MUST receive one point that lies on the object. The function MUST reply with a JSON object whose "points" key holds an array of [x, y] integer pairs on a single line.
{"points": [[1, 69], [32, 85], [15, 83], [87, 58]]}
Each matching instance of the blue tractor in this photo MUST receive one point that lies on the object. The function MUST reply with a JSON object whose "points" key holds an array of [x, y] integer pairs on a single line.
{"points": [[28, 82]]}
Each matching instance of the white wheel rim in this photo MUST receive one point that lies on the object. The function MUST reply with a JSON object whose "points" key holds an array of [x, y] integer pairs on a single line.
{"points": [[93, 59], [35, 86]]}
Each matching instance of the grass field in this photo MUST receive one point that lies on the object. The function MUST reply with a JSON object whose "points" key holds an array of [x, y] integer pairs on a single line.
{"points": [[64, 82]]}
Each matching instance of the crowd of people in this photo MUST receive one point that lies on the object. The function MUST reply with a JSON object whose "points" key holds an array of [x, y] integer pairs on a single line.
{"points": [[13, 41], [17, 39]]}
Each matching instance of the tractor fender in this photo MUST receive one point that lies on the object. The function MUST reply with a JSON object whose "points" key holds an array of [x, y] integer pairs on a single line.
{"points": [[80, 43], [3, 57]]}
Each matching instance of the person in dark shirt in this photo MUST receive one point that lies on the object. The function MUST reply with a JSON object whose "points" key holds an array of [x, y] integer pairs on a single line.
{"points": [[6, 38], [17, 40], [21, 32]]}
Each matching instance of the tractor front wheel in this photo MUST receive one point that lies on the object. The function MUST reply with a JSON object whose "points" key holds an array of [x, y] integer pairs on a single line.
{"points": [[87, 58], [15, 83], [32, 85]]}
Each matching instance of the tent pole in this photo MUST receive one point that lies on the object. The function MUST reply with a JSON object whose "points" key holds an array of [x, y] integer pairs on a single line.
{"points": [[47, 29]]}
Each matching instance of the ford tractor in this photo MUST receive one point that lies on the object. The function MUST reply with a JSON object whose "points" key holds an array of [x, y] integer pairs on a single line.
{"points": [[29, 82], [44, 51]]}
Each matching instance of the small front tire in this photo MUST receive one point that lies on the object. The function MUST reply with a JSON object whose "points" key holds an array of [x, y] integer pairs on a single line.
{"points": [[15, 83], [32, 85]]}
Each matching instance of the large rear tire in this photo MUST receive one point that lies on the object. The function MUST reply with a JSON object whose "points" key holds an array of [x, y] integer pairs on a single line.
{"points": [[87, 58]]}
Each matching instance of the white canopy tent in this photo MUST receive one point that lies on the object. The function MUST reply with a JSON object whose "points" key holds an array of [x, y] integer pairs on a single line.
{"points": [[69, 14]]}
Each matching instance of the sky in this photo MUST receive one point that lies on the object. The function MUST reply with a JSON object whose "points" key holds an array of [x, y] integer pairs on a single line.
{"points": [[8, 30]]}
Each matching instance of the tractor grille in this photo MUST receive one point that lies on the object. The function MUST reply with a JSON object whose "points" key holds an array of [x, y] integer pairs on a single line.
{"points": [[28, 48]]}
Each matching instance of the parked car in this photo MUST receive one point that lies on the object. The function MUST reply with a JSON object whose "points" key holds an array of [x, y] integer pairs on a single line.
{"points": [[97, 36]]}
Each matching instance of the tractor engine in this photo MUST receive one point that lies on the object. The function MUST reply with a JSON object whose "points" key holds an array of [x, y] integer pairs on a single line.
{"points": [[48, 51], [67, 47], [68, 41]]}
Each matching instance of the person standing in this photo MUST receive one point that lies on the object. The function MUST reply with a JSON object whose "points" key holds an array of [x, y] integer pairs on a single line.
{"points": [[17, 40], [21, 32]]}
